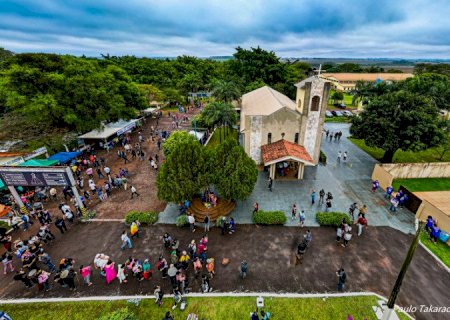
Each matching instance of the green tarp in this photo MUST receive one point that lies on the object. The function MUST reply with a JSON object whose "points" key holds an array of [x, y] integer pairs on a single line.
{"points": [[39, 163]]}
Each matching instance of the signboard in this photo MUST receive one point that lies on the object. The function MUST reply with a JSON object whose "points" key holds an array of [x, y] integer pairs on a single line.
{"points": [[29, 177], [35, 153], [14, 162]]}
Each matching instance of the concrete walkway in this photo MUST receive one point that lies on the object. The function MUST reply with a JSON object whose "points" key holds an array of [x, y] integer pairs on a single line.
{"points": [[348, 182]]}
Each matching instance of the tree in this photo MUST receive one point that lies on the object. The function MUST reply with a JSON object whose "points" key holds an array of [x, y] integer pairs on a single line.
{"points": [[219, 113], [235, 173], [399, 120], [5, 54], [337, 96], [172, 95], [445, 146], [185, 171], [226, 91], [151, 93]]}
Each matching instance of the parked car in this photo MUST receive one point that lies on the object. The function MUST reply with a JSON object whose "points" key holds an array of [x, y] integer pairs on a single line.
{"points": [[347, 113], [334, 113], [338, 113], [328, 114], [340, 105]]}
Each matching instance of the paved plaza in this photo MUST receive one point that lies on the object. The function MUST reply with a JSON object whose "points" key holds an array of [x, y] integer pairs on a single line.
{"points": [[348, 182]]}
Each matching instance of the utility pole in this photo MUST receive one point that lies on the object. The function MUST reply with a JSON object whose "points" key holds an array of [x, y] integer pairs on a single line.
{"points": [[389, 313]]}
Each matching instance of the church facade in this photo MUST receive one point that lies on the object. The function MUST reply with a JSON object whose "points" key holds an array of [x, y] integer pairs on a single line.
{"points": [[282, 134]]}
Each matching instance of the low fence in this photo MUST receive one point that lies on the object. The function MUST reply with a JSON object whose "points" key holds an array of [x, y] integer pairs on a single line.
{"points": [[385, 173]]}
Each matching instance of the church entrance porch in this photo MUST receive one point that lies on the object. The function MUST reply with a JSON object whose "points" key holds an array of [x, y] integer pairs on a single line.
{"points": [[285, 160]]}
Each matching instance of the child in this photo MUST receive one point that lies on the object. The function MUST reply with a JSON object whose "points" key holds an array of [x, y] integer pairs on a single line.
{"points": [[86, 274], [210, 267]]}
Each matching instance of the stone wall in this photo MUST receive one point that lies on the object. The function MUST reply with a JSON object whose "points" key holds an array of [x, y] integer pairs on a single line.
{"points": [[255, 138], [385, 173]]}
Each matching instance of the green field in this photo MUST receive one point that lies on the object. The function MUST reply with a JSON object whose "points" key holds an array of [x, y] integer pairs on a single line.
{"points": [[429, 155], [347, 100], [440, 249], [206, 308], [215, 139], [424, 184]]}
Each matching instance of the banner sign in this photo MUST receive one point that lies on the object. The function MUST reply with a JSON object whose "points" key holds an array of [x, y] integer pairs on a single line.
{"points": [[29, 177], [35, 153]]}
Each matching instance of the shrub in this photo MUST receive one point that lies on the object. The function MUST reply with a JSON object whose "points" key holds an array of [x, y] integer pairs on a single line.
{"points": [[181, 221], [322, 157], [4, 224], [148, 217], [120, 314], [332, 219], [269, 217]]}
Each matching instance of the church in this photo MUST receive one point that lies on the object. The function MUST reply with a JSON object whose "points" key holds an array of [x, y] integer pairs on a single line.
{"points": [[282, 134]]}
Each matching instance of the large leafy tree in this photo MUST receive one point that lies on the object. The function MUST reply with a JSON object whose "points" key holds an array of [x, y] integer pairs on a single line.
{"points": [[67, 92], [185, 170], [219, 114], [235, 173], [399, 120]]}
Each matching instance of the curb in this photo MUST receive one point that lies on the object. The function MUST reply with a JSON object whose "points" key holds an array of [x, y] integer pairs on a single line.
{"points": [[206, 295], [435, 257]]}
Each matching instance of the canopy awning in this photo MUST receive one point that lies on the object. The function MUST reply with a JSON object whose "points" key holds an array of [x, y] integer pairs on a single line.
{"points": [[64, 157], [110, 129], [283, 150], [197, 134], [39, 163]]}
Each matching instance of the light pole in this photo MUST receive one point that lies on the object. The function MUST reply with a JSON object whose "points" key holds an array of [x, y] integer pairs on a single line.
{"points": [[389, 313]]}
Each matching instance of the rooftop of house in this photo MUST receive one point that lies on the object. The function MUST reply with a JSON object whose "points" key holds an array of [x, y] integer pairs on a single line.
{"points": [[371, 77]]}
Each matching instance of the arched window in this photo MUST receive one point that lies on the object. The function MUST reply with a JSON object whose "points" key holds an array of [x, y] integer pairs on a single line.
{"points": [[269, 138], [315, 103], [296, 138]]}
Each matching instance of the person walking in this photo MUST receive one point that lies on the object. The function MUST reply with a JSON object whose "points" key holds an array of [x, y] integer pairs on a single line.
{"points": [[243, 269], [85, 272], [361, 223], [321, 197], [255, 207], [352, 209], [344, 156], [313, 197], [133, 192], [7, 262], [339, 156], [159, 294], [60, 224], [270, 184], [294, 211], [206, 223], [125, 240], [232, 226], [347, 236], [342, 277], [394, 204], [302, 218], [191, 220]]}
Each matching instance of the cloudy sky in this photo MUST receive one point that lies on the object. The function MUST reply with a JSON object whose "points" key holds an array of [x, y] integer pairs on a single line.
{"points": [[294, 28]]}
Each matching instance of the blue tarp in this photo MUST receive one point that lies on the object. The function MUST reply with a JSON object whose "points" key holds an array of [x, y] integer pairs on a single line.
{"points": [[64, 157]]}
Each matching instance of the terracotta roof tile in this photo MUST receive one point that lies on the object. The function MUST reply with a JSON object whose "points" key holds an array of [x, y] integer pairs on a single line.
{"points": [[282, 149]]}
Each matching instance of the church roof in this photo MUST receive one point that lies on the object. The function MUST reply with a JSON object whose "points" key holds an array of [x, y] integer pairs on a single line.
{"points": [[265, 101], [283, 150]]}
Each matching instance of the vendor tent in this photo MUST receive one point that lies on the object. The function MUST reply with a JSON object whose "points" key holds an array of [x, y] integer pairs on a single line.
{"points": [[197, 134], [2, 186], [110, 129], [64, 157], [39, 163]]}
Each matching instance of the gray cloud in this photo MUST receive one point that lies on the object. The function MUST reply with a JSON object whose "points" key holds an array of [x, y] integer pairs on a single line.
{"points": [[410, 28]]}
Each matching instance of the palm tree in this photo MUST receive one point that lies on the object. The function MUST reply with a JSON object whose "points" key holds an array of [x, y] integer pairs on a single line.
{"points": [[219, 113], [225, 90]]}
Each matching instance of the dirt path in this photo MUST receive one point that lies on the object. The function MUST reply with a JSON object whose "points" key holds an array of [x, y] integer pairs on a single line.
{"points": [[371, 262]]}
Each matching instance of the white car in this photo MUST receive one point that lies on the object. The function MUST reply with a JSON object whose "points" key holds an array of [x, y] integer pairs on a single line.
{"points": [[338, 113], [347, 113], [328, 114]]}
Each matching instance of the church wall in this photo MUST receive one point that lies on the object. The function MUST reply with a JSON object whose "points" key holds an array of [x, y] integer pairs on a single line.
{"points": [[283, 121], [255, 137]]}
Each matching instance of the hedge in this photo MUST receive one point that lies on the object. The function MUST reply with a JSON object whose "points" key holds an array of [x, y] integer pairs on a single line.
{"points": [[269, 217], [146, 217], [181, 221], [332, 219], [322, 157]]}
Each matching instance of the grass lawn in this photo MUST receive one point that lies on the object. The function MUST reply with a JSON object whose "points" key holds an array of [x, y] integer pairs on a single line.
{"points": [[206, 308], [441, 250], [215, 139], [347, 100], [423, 184], [429, 155], [338, 119]]}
